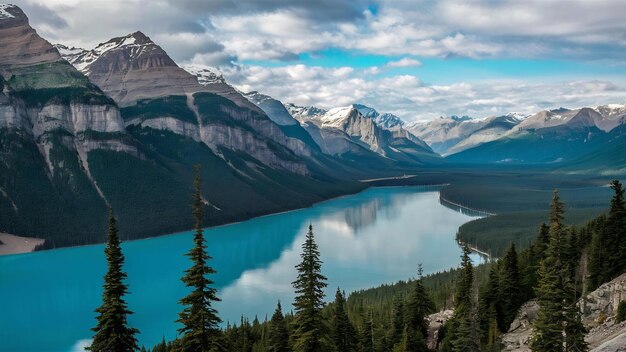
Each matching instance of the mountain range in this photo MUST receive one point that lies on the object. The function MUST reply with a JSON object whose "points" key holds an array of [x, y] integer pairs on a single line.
{"points": [[122, 125]]}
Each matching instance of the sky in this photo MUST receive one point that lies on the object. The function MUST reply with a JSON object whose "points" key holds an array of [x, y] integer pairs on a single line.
{"points": [[418, 59]]}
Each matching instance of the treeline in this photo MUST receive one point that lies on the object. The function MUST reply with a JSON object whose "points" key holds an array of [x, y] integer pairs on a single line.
{"points": [[394, 318]]}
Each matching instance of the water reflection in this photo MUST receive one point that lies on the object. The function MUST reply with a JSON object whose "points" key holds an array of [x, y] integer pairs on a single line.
{"points": [[377, 236]]}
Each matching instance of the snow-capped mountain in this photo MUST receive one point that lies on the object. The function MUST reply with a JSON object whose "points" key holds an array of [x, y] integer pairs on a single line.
{"points": [[551, 136], [386, 120], [351, 122], [303, 113], [206, 75]]}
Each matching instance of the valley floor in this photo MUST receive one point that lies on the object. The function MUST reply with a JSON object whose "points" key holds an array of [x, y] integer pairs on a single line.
{"points": [[12, 244]]}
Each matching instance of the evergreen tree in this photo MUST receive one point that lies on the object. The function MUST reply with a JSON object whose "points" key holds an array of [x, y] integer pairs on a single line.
{"points": [[278, 334], [510, 286], [199, 319], [397, 322], [616, 228], [309, 302], [464, 335], [548, 332], [343, 333], [491, 308], [418, 307], [367, 340], [112, 333]]}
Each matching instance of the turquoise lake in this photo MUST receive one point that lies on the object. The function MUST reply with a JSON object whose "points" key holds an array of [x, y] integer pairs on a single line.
{"points": [[377, 236]]}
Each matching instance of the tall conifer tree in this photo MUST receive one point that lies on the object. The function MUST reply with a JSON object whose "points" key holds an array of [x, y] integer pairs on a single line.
{"points": [[464, 331], [112, 333], [309, 301], [199, 319], [343, 333], [558, 326], [278, 334]]}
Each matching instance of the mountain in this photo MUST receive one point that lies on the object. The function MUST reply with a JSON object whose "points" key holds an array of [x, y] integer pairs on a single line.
{"points": [[52, 118], [347, 130], [488, 130], [128, 135], [386, 120], [548, 137]]}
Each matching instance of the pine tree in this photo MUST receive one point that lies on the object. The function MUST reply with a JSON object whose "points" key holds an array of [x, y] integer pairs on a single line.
{"points": [[616, 221], [418, 307], [510, 284], [343, 333], [464, 334], [491, 308], [309, 302], [199, 319], [112, 333], [367, 333], [397, 322], [278, 334], [554, 319]]}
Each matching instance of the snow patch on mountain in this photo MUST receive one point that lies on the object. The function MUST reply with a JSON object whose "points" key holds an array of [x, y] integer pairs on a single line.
{"points": [[206, 74], [303, 113], [3, 11]]}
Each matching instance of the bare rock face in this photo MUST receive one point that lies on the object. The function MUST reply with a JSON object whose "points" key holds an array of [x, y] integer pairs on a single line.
{"points": [[603, 301], [435, 322], [20, 45], [518, 337], [134, 69], [598, 314]]}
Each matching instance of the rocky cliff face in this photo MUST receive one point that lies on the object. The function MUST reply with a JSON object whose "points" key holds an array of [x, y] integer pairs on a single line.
{"points": [[133, 70], [598, 310], [337, 128]]}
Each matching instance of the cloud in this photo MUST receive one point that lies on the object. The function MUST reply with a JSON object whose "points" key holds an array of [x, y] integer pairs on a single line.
{"points": [[410, 98], [405, 62]]}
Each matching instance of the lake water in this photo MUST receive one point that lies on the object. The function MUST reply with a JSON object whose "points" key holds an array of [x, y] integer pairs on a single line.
{"points": [[47, 299]]}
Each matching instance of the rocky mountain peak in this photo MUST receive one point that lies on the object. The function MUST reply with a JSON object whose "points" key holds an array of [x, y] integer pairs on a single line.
{"points": [[12, 16], [21, 45]]}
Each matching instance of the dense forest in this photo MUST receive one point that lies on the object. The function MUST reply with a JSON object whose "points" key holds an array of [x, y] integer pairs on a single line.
{"points": [[557, 268]]}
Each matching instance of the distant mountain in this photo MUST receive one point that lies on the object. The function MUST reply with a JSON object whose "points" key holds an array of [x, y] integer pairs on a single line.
{"points": [[344, 129], [488, 130], [551, 136], [445, 132]]}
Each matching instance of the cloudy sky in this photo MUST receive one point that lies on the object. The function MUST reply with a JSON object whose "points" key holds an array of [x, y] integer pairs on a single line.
{"points": [[417, 58]]}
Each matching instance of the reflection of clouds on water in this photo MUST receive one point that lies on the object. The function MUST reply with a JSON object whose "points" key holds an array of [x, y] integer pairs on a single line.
{"points": [[377, 241]]}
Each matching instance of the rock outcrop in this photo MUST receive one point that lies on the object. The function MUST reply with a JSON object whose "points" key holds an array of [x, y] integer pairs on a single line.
{"points": [[598, 310]]}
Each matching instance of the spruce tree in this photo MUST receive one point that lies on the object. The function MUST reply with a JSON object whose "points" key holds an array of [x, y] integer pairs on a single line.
{"points": [[367, 334], [112, 333], [616, 221], [510, 286], [464, 334], [278, 334], [199, 319], [343, 333], [491, 308], [418, 307], [397, 322], [548, 328], [309, 299]]}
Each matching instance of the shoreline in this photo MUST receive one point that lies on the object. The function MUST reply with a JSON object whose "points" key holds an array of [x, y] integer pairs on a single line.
{"points": [[12, 244], [368, 186]]}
